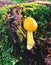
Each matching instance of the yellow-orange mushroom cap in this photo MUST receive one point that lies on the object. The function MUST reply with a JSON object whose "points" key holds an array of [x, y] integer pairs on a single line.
{"points": [[30, 24]]}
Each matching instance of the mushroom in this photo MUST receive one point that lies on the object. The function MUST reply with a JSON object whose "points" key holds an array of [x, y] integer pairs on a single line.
{"points": [[30, 25]]}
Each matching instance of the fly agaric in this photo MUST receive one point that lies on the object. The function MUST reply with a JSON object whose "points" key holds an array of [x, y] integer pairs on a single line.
{"points": [[30, 25]]}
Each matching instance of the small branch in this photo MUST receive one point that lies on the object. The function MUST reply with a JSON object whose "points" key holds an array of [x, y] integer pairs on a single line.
{"points": [[0, 46], [23, 34]]}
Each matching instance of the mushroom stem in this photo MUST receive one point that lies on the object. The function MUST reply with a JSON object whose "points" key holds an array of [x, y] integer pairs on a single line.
{"points": [[30, 40]]}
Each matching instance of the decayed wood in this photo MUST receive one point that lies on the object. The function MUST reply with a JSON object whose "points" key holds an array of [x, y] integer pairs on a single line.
{"points": [[45, 3], [41, 2]]}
